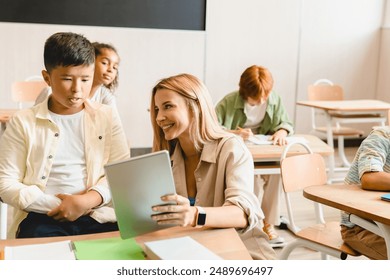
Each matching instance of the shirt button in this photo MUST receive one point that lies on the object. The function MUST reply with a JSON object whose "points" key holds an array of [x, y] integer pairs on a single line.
{"points": [[100, 137], [43, 177], [199, 179], [56, 135], [50, 156]]}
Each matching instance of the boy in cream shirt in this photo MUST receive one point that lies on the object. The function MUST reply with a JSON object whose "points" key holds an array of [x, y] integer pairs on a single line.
{"points": [[52, 155]]}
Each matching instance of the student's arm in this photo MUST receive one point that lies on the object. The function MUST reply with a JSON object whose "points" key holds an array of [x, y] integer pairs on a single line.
{"points": [[75, 206], [119, 147], [220, 110], [44, 204], [279, 137], [117, 150], [376, 181], [14, 151], [245, 133], [280, 116], [372, 158]]}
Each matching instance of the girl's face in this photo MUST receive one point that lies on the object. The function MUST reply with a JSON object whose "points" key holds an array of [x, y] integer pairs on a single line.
{"points": [[106, 67], [172, 114]]}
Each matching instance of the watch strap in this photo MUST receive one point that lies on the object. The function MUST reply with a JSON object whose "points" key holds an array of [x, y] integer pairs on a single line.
{"points": [[200, 217]]}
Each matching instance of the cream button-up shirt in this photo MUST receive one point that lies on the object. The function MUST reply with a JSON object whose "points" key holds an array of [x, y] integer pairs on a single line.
{"points": [[224, 177], [30, 142]]}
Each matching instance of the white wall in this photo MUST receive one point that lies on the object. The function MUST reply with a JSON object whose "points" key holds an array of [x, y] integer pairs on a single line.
{"points": [[384, 61], [298, 40], [341, 42], [243, 33]]}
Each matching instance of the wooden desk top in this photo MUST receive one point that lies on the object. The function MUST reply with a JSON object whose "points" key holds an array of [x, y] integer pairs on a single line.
{"points": [[348, 105], [273, 152], [224, 242], [352, 199]]}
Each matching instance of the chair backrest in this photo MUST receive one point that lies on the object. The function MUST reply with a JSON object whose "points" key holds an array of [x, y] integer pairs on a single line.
{"points": [[324, 90], [27, 91], [301, 171], [298, 172], [34, 78]]}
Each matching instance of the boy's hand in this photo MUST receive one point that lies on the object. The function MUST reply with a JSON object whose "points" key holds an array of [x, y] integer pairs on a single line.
{"points": [[279, 137], [245, 133], [71, 208]]}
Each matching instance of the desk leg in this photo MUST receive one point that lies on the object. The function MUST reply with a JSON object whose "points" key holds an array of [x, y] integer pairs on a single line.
{"points": [[385, 230], [329, 137], [388, 117]]}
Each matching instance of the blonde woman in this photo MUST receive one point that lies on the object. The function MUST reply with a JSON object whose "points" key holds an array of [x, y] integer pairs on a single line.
{"points": [[213, 169]]}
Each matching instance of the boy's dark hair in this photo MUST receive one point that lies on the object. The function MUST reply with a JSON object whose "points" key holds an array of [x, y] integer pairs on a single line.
{"points": [[66, 49]]}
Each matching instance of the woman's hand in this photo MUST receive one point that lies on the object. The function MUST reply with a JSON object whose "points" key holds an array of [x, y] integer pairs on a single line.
{"points": [[279, 137], [176, 211]]}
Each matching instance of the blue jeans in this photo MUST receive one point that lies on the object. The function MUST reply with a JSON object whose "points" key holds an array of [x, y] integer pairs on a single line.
{"points": [[41, 225]]}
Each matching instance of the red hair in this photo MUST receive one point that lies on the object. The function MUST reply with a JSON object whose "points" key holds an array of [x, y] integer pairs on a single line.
{"points": [[255, 82]]}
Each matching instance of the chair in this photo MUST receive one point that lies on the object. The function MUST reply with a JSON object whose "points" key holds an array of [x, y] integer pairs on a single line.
{"points": [[298, 172], [27, 91], [34, 78], [325, 90]]}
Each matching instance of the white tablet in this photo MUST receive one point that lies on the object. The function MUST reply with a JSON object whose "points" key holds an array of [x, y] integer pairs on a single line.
{"points": [[136, 185]]}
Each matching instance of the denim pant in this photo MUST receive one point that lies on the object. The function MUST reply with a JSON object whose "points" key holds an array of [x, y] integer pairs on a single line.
{"points": [[41, 225]]}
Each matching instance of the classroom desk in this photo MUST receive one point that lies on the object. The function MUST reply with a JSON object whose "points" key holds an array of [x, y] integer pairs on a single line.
{"points": [[224, 242], [267, 157], [364, 206], [344, 107]]}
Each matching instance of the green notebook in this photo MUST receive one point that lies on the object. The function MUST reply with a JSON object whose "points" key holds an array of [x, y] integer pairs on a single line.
{"points": [[108, 249]]}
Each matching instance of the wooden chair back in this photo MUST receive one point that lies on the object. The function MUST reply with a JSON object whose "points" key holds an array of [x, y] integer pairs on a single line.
{"points": [[325, 90], [27, 91], [301, 171]]}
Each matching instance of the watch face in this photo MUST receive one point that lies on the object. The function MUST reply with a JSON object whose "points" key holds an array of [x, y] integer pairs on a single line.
{"points": [[201, 219]]}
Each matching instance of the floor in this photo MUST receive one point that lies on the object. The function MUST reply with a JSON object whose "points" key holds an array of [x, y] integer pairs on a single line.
{"points": [[303, 217]]}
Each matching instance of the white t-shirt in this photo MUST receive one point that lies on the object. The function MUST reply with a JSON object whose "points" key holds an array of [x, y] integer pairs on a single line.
{"points": [[68, 173], [104, 96], [254, 115]]}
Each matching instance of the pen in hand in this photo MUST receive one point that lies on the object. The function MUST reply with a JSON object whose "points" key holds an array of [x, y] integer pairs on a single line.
{"points": [[245, 133]]}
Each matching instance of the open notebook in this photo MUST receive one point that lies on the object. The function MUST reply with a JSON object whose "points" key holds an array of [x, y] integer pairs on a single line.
{"points": [[261, 139]]}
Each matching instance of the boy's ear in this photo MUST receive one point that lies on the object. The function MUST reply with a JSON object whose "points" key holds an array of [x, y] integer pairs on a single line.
{"points": [[46, 77]]}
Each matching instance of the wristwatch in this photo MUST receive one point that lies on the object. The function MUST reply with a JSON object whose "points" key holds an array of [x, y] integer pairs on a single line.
{"points": [[201, 218]]}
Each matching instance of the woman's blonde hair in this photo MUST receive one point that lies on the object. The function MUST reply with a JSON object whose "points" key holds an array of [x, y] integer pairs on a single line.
{"points": [[204, 126]]}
